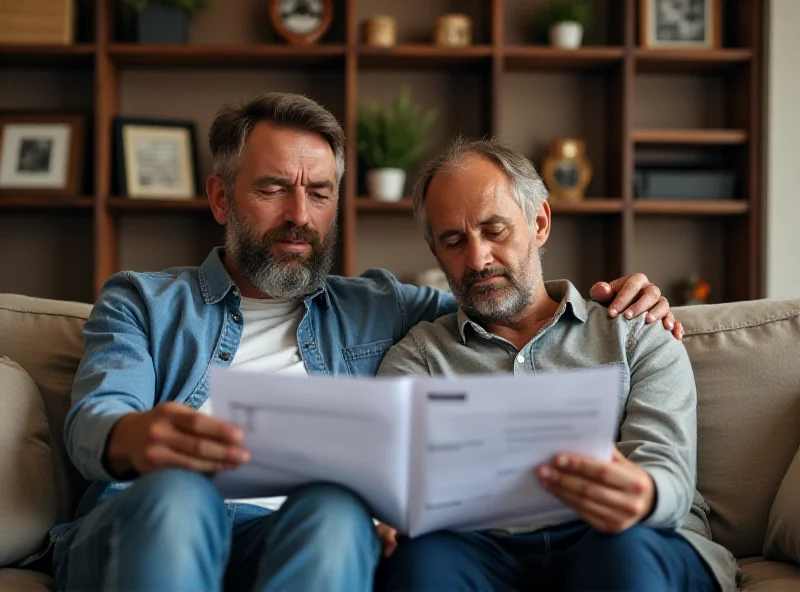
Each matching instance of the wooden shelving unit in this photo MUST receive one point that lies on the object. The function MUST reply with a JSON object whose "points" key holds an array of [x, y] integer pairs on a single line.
{"points": [[544, 58], [522, 93], [158, 205], [683, 61], [230, 56], [81, 54], [722, 207], [422, 56], [45, 203], [700, 137]]}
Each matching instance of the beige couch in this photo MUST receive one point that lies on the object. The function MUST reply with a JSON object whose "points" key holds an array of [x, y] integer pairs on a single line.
{"points": [[746, 358]]}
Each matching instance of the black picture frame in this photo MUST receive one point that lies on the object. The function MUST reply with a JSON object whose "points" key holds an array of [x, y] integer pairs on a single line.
{"points": [[73, 159], [123, 175]]}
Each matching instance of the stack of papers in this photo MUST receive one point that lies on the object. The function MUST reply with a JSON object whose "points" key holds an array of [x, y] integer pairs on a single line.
{"points": [[424, 453]]}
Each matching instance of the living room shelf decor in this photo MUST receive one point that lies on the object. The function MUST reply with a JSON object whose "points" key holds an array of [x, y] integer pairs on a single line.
{"points": [[628, 102]]}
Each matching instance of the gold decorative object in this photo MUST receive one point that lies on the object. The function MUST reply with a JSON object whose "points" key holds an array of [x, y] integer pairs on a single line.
{"points": [[566, 171], [380, 31], [453, 30]]}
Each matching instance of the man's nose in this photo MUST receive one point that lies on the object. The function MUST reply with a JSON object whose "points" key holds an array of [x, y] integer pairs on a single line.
{"points": [[479, 254], [295, 207]]}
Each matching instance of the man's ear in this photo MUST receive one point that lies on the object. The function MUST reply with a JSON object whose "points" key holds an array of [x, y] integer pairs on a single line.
{"points": [[543, 224], [217, 198]]}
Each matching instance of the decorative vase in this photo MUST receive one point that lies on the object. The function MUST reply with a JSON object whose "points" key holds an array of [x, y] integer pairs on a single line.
{"points": [[566, 35], [566, 170], [386, 184], [380, 31], [162, 23], [453, 30]]}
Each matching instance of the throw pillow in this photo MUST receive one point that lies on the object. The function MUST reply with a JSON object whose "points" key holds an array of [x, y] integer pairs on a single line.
{"points": [[783, 531], [27, 483]]}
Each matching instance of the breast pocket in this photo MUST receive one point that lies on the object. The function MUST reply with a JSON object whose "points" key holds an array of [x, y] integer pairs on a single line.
{"points": [[363, 360]]}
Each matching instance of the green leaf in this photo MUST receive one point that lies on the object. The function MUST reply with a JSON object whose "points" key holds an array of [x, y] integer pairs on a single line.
{"points": [[395, 136], [558, 11]]}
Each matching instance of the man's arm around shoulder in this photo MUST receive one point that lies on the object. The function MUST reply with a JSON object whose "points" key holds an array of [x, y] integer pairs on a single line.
{"points": [[417, 303], [405, 357]]}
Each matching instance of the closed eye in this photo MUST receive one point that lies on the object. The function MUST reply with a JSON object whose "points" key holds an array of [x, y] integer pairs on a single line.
{"points": [[271, 192], [495, 233]]}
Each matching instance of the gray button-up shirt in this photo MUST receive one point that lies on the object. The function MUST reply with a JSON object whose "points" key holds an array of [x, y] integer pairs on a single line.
{"points": [[657, 408]]}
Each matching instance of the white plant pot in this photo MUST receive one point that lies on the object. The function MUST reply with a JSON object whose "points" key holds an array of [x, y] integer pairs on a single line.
{"points": [[386, 184], [566, 35]]}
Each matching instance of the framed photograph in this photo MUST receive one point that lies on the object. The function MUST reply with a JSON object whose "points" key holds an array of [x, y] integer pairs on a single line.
{"points": [[680, 24], [41, 154], [156, 159]]}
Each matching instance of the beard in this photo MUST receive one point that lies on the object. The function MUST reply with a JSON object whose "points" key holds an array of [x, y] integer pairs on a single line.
{"points": [[286, 275], [499, 302]]}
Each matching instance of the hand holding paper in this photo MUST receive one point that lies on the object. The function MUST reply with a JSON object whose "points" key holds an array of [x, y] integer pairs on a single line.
{"points": [[611, 496], [424, 453]]}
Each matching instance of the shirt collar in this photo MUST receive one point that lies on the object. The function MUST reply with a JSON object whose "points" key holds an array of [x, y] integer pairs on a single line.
{"points": [[215, 282], [561, 290]]}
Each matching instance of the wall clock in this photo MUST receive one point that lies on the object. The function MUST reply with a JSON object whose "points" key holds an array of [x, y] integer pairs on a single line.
{"points": [[301, 21]]}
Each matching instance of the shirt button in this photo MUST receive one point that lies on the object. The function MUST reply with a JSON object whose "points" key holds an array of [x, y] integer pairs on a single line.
{"points": [[225, 356], [236, 318], [520, 359]]}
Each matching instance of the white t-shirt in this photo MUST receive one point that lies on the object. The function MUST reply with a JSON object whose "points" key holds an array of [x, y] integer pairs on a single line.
{"points": [[268, 344]]}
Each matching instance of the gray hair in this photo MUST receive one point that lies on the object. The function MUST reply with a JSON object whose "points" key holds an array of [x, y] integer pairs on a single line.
{"points": [[527, 186], [234, 123]]}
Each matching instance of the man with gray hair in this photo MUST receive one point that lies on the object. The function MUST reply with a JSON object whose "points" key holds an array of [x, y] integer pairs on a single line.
{"points": [[139, 428], [642, 526]]}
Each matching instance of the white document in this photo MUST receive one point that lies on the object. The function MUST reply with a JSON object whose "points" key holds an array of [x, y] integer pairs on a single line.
{"points": [[424, 453]]}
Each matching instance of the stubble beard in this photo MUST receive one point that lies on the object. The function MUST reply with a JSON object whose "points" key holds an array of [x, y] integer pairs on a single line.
{"points": [[286, 275], [499, 302]]}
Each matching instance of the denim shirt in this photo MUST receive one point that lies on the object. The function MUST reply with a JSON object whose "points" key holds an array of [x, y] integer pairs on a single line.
{"points": [[152, 337]]}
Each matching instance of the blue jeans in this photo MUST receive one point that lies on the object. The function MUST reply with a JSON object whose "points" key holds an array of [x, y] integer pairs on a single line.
{"points": [[171, 531], [570, 557]]}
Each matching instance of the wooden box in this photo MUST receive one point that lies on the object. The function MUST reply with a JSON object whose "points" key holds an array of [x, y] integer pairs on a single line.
{"points": [[38, 22]]}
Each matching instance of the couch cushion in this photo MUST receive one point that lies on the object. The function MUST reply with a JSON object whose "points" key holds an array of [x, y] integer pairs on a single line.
{"points": [[783, 530], [44, 337], [18, 580], [27, 485], [759, 575], [746, 360]]}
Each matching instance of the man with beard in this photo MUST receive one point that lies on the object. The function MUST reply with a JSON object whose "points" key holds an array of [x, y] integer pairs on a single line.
{"points": [[152, 520], [484, 213]]}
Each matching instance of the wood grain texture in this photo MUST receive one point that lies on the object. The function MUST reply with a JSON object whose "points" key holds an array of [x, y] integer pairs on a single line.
{"points": [[721, 207], [690, 136], [37, 21], [531, 57], [211, 56], [690, 60], [12, 202], [42, 56]]}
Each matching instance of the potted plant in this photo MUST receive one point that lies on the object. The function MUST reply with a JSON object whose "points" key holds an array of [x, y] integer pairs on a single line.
{"points": [[389, 141], [565, 21], [164, 21]]}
